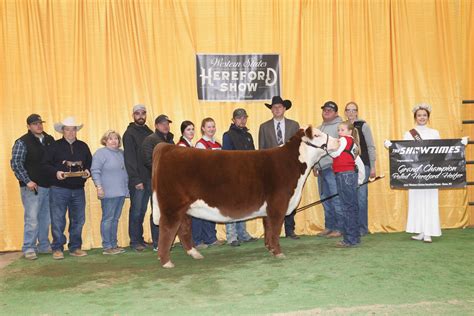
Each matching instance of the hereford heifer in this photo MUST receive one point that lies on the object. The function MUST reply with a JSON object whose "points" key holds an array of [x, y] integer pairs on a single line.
{"points": [[226, 186]]}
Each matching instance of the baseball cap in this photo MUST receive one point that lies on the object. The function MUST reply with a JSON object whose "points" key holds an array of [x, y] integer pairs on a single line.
{"points": [[162, 118], [239, 113], [139, 107], [330, 105], [33, 118]]}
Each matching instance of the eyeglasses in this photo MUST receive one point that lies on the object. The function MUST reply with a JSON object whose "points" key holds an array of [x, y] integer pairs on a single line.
{"points": [[351, 110]]}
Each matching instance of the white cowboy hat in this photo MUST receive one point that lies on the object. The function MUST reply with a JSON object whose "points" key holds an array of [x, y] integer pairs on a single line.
{"points": [[68, 121]]}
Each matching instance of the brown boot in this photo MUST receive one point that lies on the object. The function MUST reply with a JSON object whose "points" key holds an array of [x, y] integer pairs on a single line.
{"points": [[78, 253], [58, 255], [324, 233], [334, 234]]}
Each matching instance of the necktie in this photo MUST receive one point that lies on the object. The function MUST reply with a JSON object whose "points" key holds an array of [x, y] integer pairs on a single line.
{"points": [[279, 134]]}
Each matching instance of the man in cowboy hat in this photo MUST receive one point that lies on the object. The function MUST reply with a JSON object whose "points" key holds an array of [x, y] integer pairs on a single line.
{"points": [[276, 132], [66, 155], [27, 154]]}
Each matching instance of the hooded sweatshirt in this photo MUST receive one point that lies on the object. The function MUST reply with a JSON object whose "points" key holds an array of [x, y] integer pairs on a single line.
{"points": [[132, 143], [329, 128]]}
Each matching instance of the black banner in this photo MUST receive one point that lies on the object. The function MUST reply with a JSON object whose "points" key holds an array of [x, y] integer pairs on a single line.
{"points": [[237, 77], [427, 164]]}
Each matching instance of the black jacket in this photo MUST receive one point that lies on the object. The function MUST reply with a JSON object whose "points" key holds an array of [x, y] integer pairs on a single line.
{"points": [[61, 151], [149, 145], [364, 151], [132, 143], [35, 151], [237, 138]]}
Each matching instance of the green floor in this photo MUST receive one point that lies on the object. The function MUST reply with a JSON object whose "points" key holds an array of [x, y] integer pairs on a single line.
{"points": [[388, 274]]}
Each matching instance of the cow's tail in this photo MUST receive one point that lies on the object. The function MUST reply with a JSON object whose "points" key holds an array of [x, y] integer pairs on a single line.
{"points": [[156, 209]]}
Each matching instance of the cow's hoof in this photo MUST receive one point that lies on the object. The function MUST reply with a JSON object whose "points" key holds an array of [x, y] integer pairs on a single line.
{"points": [[195, 254], [168, 265], [280, 256]]}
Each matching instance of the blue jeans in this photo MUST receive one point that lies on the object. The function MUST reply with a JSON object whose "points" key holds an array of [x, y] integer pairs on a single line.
{"points": [[290, 224], [73, 201], [138, 206], [37, 220], [111, 211], [327, 186], [347, 188], [236, 231], [203, 231], [155, 229], [362, 194]]}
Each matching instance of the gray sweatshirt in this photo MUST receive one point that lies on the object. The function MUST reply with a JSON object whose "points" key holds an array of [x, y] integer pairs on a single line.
{"points": [[108, 171], [329, 128]]}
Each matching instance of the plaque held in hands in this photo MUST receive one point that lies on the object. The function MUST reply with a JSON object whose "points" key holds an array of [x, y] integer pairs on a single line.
{"points": [[75, 169], [73, 174]]}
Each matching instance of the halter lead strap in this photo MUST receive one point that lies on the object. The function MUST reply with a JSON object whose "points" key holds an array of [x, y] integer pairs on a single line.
{"points": [[323, 147]]}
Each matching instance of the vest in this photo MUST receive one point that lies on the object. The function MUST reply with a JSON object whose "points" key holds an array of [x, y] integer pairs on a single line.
{"points": [[364, 152], [241, 139], [35, 151], [182, 141], [209, 144], [345, 161]]}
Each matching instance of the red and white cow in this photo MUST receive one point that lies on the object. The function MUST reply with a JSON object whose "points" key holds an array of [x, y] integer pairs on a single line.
{"points": [[226, 186]]}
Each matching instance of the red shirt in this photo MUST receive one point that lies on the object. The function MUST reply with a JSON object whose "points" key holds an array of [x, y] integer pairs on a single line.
{"points": [[345, 161]]}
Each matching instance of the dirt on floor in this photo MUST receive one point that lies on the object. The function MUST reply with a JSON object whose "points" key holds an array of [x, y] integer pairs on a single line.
{"points": [[8, 257], [416, 308]]}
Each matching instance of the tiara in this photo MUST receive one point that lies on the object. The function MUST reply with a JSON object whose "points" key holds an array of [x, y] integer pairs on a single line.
{"points": [[423, 106]]}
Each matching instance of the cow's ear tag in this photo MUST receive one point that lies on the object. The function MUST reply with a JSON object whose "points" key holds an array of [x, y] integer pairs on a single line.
{"points": [[309, 132]]}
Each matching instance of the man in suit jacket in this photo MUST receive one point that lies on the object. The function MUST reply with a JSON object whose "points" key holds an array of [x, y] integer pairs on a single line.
{"points": [[276, 132]]}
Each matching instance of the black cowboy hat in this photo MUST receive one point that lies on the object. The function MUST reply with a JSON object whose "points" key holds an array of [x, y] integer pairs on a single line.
{"points": [[278, 100]]}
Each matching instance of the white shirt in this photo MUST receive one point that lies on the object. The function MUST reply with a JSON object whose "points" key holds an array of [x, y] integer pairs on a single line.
{"points": [[41, 138], [282, 127]]}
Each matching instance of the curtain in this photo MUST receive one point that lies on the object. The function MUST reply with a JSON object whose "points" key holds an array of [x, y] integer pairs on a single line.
{"points": [[96, 59]]}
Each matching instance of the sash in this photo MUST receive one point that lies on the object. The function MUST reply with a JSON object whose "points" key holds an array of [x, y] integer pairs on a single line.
{"points": [[415, 134]]}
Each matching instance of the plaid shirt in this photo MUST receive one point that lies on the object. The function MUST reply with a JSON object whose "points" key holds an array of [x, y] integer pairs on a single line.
{"points": [[18, 161]]}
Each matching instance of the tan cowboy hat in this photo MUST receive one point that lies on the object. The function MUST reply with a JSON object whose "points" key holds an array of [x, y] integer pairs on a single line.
{"points": [[68, 121]]}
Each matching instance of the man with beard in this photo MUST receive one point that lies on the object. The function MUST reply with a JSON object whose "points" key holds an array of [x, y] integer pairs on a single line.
{"points": [[27, 154], [161, 134], [138, 182]]}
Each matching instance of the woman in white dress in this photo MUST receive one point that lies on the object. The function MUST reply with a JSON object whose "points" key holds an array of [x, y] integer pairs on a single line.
{"points": [[423, 210]]}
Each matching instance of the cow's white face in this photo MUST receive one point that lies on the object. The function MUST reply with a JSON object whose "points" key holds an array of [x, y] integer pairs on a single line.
{"points": [[316, 144]]}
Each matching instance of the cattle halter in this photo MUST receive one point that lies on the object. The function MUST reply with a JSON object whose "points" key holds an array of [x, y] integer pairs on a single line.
{"points": [[323, 147]]}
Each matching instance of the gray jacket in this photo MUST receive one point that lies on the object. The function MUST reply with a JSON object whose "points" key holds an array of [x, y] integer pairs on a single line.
{"points": [[267, 136], [329, 128], [369, 139]]}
